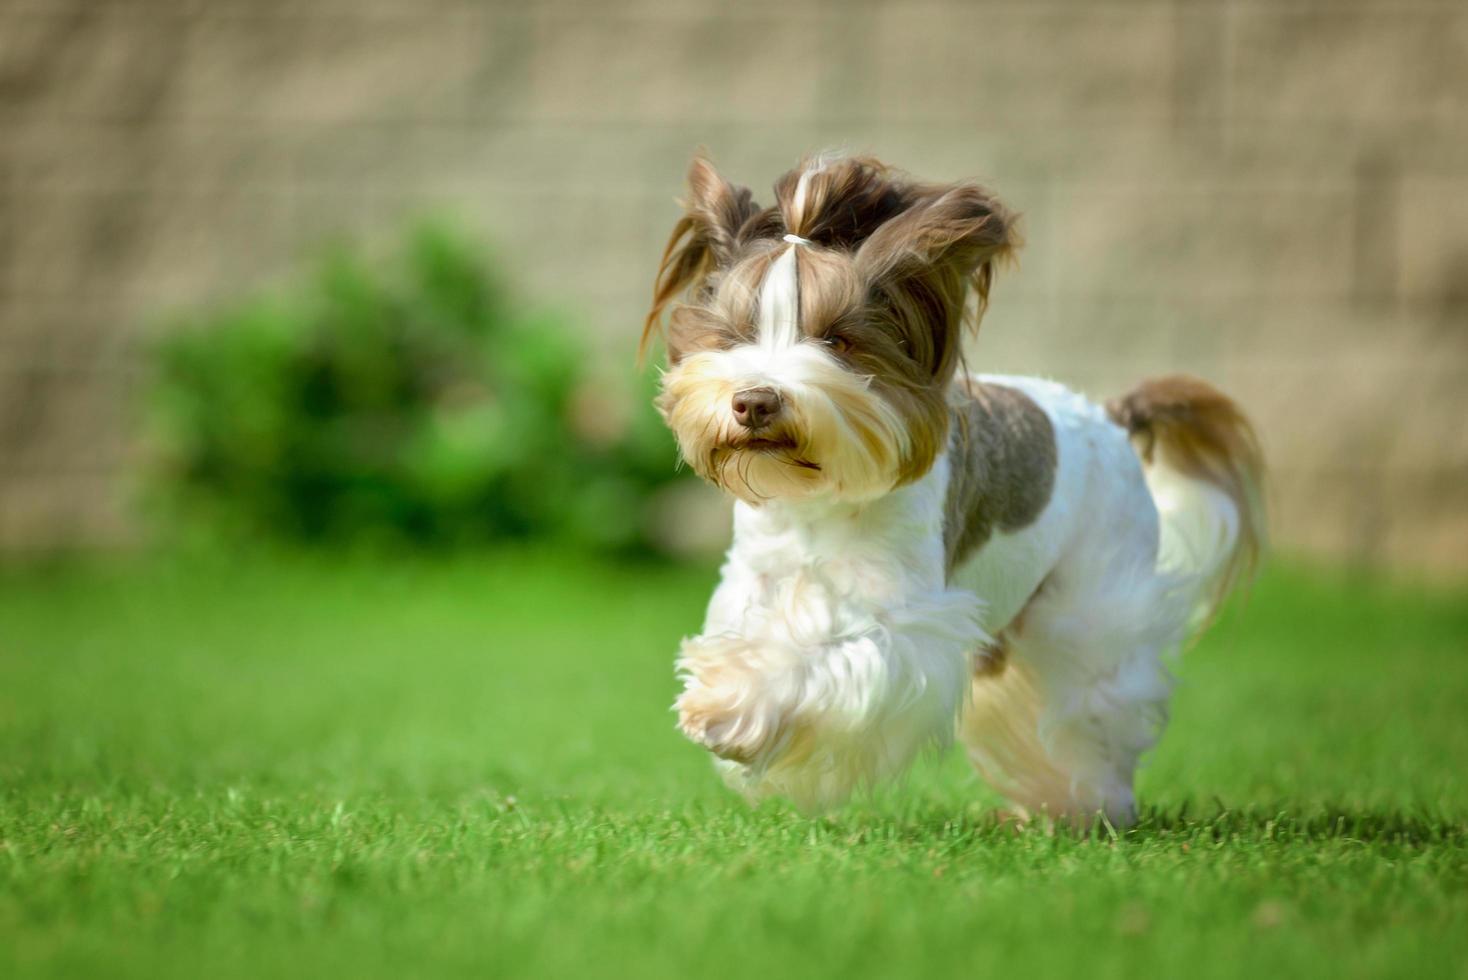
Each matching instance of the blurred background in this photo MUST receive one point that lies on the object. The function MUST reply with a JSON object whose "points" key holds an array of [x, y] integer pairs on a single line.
{"points": [[345, 268], [337, 620]]}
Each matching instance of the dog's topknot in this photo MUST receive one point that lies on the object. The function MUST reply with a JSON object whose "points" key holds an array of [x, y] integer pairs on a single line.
{"points": [[920, 245], [838, 202]]}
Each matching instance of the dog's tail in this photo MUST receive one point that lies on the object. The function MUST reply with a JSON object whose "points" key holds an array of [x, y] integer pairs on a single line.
{"points": [[1204, 467]]}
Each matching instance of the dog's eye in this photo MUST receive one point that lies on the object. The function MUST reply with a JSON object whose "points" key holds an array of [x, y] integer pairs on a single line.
{"points": [[838, 343]]}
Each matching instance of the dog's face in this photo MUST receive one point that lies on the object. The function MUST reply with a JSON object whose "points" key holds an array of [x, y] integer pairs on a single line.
{"points": [[813, 354]]}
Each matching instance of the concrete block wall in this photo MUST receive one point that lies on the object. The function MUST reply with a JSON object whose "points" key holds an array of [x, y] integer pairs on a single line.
{"points": [[1270, 193]]}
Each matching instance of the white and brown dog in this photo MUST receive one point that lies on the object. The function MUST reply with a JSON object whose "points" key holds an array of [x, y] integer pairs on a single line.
{"points": [[918, 551]]}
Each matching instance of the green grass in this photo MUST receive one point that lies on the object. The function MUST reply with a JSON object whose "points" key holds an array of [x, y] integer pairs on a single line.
{"points": [[412, 769]]}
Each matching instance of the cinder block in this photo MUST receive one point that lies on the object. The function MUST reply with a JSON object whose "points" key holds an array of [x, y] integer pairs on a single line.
{"points": [[48, 510], [50, 154], [1426, 517], [331, 68], [1023, 65], [115, 244], [1432, 246], [1359, 62], [599, 65], [1358, 405], [1119, 238], [1334, 513], [64, 419], [1420, 407], [84, 61]]}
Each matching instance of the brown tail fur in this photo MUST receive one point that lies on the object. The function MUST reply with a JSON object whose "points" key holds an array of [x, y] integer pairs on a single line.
{"points": [[1194, 429]]}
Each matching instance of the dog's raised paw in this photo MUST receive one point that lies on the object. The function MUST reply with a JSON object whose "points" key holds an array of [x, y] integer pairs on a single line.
{"points": [[708, 718]]}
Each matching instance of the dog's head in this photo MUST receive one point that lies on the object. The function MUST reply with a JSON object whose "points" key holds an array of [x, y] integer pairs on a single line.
{"points": [[814, 348]]}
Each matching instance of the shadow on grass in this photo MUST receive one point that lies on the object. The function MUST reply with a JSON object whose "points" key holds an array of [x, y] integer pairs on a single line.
{"points": [[1280, 822], [1211, 823]]}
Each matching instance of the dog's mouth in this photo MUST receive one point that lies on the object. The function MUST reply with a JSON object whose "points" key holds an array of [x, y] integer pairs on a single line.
{"points": [[773, 445]]}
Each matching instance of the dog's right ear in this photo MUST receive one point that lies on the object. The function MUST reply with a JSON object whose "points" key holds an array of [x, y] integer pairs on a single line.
{"points": [[923, 263], [704, 239]]}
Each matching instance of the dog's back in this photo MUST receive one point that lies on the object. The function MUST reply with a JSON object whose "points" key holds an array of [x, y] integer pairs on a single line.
{"points": [[1151, 515]]}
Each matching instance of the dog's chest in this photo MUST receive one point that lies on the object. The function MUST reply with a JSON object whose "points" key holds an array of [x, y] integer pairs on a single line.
{"points": [[838, 567]]}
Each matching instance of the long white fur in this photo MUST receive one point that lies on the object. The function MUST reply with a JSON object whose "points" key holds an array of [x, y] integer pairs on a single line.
{"points": [[843, 650], [849, 641], [779, 305]]}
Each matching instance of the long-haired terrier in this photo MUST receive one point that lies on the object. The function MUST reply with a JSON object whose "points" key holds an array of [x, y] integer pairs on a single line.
{"points": [[919, 551]]}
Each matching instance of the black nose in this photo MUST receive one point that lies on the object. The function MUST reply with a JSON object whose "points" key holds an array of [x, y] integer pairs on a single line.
{"points": [[756, 407]]}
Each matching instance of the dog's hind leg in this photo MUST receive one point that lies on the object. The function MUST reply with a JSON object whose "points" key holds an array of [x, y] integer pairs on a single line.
{"points": [[1074, 693]]}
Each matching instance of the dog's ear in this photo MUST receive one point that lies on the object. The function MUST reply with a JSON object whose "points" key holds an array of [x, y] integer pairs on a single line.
{"points": [[704, 239], [921, 264]]}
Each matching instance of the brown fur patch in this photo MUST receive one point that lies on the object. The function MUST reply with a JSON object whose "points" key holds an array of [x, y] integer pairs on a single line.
{"points": [[1203, 434], [1003, 457], [993, 658], [704, 240]]}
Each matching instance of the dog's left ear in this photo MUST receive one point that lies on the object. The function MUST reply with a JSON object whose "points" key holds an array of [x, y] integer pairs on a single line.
{"points": [[704, 239], [923, 262]]}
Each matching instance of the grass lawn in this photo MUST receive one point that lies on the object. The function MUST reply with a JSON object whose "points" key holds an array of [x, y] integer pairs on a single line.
{"points": [[468, 767]]}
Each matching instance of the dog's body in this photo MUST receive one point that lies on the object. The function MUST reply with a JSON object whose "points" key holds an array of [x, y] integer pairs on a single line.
{"points": [[916, 549]]}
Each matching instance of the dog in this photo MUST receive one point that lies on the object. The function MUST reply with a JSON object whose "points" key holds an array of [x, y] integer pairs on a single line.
{"points": [[920, 552]]}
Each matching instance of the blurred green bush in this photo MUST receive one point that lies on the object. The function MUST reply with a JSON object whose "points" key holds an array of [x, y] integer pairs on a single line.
{"points": [[402, 402]]}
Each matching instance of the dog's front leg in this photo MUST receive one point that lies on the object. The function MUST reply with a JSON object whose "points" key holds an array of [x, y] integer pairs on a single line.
{"points": [[738, 696], [812, 712]]}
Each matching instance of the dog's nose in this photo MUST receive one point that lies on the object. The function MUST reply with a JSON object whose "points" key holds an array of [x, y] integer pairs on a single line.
{"points": [[756, 407]]}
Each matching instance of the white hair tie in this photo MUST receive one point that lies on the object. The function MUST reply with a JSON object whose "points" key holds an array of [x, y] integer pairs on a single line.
{"points": [[797, 240]]}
